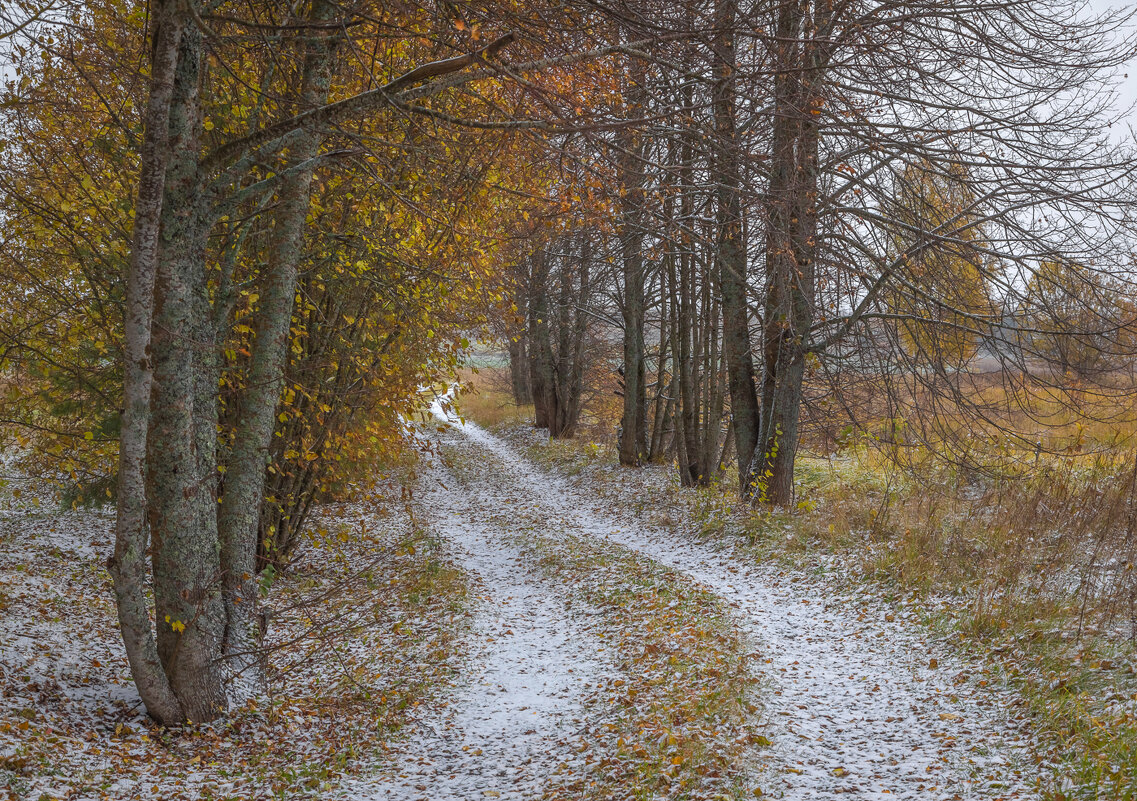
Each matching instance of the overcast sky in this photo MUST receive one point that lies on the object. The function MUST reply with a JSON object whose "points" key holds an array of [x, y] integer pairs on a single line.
{"points": [[1128, 89]]}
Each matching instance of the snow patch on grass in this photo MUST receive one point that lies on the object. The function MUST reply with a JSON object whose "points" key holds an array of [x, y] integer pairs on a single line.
{"points": [[344, 677]]}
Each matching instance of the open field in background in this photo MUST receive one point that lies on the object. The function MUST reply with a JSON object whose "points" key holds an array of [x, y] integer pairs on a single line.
{"points": [[1032, 567], [992, 422], [489, 403]]}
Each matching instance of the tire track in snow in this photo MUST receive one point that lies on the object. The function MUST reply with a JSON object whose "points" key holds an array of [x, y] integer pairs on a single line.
{"points": [[855, 704], [505, 731]]}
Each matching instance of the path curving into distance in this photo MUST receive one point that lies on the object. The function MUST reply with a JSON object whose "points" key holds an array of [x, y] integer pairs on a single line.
{"points": [[854, 703]]}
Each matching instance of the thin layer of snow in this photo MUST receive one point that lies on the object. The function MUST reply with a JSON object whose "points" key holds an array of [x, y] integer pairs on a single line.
{"points": [[854, 702], [72, 724], [506, 731], [35, 641]]}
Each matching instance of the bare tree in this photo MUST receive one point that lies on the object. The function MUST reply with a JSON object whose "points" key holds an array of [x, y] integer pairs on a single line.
{"points": [[1009, 100]]}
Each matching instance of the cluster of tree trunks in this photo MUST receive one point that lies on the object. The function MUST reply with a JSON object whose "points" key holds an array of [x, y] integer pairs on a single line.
{"points": [[762, 223], [190, 501], [201, 531], [548, 352]]}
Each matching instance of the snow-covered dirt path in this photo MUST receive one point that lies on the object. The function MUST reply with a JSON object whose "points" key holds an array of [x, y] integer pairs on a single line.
{"points": [[505, 732], [855, 702]]}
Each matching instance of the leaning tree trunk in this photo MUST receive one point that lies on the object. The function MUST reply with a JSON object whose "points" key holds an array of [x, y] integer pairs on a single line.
{"points": [[169, 458], [245, 474], [128, 565]]}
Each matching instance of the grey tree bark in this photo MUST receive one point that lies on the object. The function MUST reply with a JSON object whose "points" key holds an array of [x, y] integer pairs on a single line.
{"points": [[245, 476], [790, 246], [633, 425], [557, 333], [519, 355], [730, 242], [169, 449], [540, 349], [181, 453], [128, 565]]}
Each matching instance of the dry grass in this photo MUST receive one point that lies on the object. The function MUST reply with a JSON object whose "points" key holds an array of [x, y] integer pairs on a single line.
{"points": [[1021, 549], [1035, 574], [488, 401], [999, 423], [492, 411], [1066, 529]]}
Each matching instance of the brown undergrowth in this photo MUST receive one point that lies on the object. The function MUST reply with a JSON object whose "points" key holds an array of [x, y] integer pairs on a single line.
{"points": [[1035, 573]]}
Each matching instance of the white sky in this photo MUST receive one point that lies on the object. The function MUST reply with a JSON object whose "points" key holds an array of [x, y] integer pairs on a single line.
{"points": [[1127, 90]]}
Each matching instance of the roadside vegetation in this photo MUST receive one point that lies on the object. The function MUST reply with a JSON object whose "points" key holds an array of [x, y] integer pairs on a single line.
{"points": [[1032, 574], [859, 278]]}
